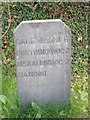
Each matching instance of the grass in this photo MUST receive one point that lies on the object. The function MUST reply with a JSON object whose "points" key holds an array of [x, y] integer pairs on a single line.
{"points": [[76, 17], [12, 109]]}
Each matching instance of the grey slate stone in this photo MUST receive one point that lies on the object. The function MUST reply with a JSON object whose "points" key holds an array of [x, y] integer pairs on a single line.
{"points": [[43, 61]]}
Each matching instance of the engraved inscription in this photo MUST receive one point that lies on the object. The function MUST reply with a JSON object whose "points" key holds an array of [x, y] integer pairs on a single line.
{"points": [[42, 51], [36, 52], [32, 74], [32, 40], [39, 62], [67, 50], [66, 38]]}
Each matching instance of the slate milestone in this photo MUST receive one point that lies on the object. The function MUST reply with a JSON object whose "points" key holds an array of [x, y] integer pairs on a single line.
{"points": [[43, 61]]}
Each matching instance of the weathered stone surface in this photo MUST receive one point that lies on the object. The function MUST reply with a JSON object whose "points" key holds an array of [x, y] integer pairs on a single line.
{"points": [[43, 61]]}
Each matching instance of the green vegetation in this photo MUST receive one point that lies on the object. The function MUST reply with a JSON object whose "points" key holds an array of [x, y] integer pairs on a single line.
{"points": [[75, 15]]}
